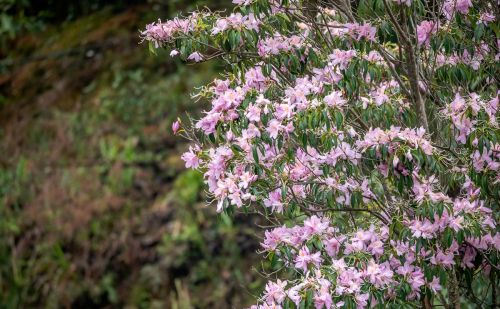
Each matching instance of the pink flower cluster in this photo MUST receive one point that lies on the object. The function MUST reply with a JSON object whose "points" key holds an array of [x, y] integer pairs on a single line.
{"points": [[223, 184], [224, 106], [236, 21], [388, 263], [486, 18], [359, 32], [450, 7], [374, 56], [278, 43], [341, 58], [161, 32], [380, 94], [462, 112], [394, 136], [354, 31], [474, 61], [336, 141], [487, 160], [349, 278], [191, 157], [425, 30]]}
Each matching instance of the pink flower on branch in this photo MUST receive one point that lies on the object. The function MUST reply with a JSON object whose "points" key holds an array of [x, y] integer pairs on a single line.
{"points": [[425, 30]]}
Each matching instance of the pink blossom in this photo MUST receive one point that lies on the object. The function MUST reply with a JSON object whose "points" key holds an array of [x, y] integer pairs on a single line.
{"points": [[208, 123], [450, 6], [275, 45], [349, 280], [191, 159], [250, 132], [424, 229], [196, 57], [456, 223], [414, 137], [235, 21], [468, 257], [305, 258], [380, 275], [161, 32], [253, 113], [434, 285], [416, 279], [380, 96], [362, 300], [323, 298], [486, 18], [315, 226], [220, 25], [221, 86], [341, 58], [274, 201], [332, 246], [246, 178], [463, 6], [273, 128], [242, 2], [424, 31], [374, 56], [254, 78], [335, 99], [176, 126], [273, 140], [284, 111], [406, 269], [274, 237], [358, 31], [293, 294], [275, 291], [465, 127], [376, 248], [485, 161], [444, 259]]}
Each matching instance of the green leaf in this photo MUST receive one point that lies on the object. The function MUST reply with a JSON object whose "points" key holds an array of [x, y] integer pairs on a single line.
{"points": [[152, 48]]}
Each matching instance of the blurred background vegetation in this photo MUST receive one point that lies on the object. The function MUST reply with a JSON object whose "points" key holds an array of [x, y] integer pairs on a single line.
{"points": [[96, 208]]}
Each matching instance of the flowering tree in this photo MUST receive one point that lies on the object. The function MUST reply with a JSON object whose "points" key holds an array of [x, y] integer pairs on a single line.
{"points": [[366, 132]]}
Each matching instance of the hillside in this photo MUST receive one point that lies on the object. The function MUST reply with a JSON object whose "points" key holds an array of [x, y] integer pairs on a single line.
{"points": [[97, 209]]}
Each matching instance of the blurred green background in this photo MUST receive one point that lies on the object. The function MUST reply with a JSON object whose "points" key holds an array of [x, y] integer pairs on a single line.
{"points": [[96, 208]]}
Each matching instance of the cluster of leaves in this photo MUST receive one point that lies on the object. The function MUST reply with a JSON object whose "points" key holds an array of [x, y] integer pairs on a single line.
{"points": [[369, 129]]}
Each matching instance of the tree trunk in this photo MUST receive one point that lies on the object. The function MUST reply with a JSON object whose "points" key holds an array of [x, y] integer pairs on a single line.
{"points": [[454, 295]]}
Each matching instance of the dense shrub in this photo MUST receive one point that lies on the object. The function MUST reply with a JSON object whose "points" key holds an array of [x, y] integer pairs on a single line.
{"points": [[366, 132]]}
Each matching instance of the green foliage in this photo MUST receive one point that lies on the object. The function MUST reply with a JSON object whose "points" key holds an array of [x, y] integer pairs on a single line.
{"points": [[13, 19], [95, 208]]}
